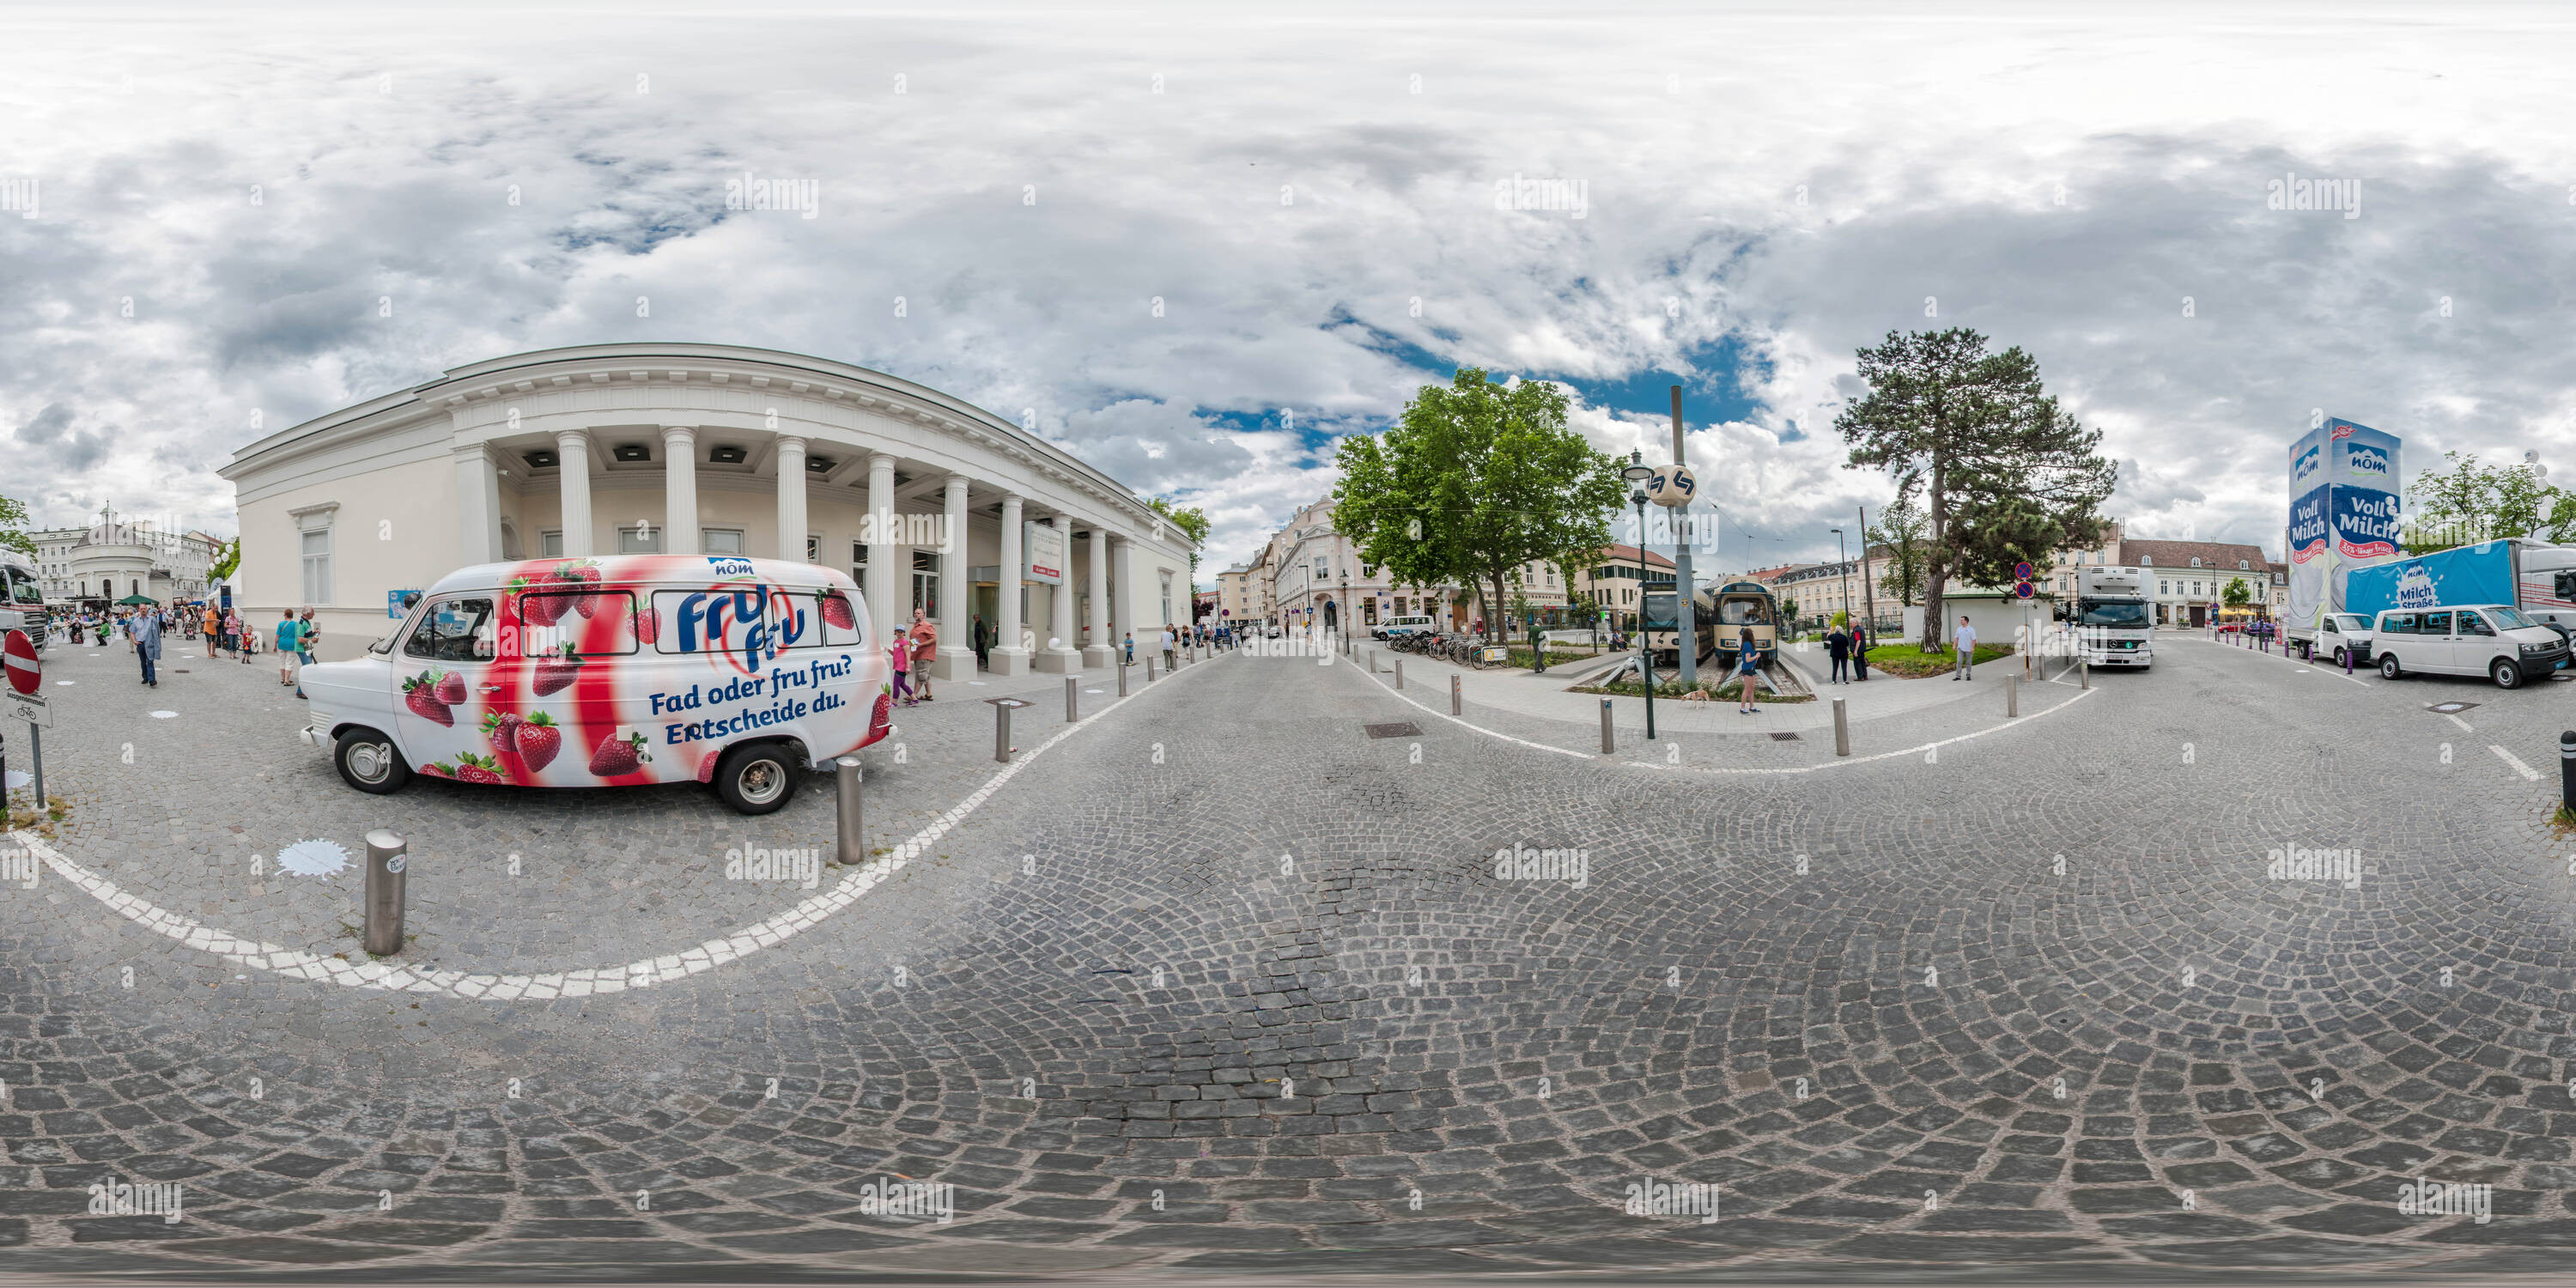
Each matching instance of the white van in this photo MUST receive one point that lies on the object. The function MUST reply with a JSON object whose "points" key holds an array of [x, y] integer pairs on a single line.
{"points": [[612, 672], [2341, 633], [1399, 627], [2497, 641]]}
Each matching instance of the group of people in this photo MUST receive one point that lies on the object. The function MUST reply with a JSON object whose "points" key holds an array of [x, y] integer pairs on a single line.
{"points": [[225, 630], [1849, 649], [925, 636]]}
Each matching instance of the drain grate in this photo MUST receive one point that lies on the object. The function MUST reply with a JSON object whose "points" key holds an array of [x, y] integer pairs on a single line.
{"points": [[1784, 737], [1394, 729], [2450, 708]]}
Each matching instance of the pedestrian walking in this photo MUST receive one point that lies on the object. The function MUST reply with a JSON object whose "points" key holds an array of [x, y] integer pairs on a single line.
{"points": [[1748, 660], [1860, 652], [1131, 648], [1838, 647], [1171, 650], [1964, 642], [147, 646], [925, 650], [982, 638], [287, 656], [900, 653]]}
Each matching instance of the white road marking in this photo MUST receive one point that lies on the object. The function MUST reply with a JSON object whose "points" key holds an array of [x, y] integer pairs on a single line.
{"points": [[2463, 724], [641, 973], [2518, 767], [1694, 769]]}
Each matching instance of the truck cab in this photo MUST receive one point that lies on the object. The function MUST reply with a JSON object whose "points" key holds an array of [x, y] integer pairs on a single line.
{"points": [[22, 599], [2342, 634], [2114, 616]]}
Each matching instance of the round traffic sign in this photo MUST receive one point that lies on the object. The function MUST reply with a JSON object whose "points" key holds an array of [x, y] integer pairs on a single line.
{"points": [[19, 653], [2022, 571], [2022, 590]]}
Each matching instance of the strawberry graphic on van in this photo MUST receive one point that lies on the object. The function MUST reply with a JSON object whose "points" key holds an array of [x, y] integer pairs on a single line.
{"points": [[501, 729], [837, 612], [580, 576], [619, 756], [538, 740], [471, 768], [420, 697], [555, 673]]}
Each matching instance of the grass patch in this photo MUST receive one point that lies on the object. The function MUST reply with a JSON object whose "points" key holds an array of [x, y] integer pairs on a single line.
{"points": [[20, 811], [2562, 820], [1911, 662], [1521, 657]]}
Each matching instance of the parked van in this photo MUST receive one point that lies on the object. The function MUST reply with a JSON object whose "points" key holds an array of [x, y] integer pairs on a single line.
{"points": [[1395, 628], [2497, 641], [22, 599], [615, 671], [2340, 633]]}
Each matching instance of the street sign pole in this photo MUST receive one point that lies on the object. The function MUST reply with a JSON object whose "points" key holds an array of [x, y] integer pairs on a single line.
{"points": [[25, 693]]}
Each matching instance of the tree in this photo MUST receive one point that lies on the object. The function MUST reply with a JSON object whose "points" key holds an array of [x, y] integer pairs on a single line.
{"points": [[1193, 521], [2237, 594], [2470, 502], [1900, 530], [1476, 479], [2006, 473], [13, 523]]}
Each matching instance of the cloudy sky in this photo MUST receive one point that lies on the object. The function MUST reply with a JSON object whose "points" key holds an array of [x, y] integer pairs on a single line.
{"points": [[275, 213]]}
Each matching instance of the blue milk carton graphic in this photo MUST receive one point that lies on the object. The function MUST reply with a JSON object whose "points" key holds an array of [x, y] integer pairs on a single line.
{"points": [[2362, 466]]}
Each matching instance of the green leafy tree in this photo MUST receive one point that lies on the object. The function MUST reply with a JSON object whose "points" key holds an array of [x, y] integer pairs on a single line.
{"points": [[2469, 502], [2237, 594], [2005, 473], [1193, 521], [1900, 530], [13, 526], [1475, 480]]}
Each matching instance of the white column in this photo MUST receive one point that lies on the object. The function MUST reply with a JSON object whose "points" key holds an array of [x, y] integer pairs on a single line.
{"points": [[679, 490], [478, 505], [1123, 621], [884, 613], [956, 660], [572, 462], [1101, 650], [1007, 657], [1066, 657], [791, 498]]}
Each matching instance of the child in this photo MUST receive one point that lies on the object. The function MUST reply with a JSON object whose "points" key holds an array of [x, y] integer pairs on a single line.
{"points": [[902, 654], [1131, 648]]}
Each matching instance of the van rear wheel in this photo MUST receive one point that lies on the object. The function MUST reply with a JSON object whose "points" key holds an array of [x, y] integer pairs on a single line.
{"points": [[2388, 668], [757, 779]]}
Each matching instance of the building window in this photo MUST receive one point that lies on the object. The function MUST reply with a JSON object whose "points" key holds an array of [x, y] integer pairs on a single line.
{"points": [[639, 541], [859, 565], [316, 551], [721, 541], [813, 549], [551, 543]]}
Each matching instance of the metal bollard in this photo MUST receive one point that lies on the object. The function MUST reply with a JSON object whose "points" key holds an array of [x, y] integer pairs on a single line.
{"points": [[1149, 669], [2084, 671], [1372, 661], [1456, 704], [1001, 733], [1072, 708], [2012, 695], [2347, 661], [1399, 673], [849, 837], [1122, 679], [2567, 770], [387, 857], [1842, 729], [1607, 747]]}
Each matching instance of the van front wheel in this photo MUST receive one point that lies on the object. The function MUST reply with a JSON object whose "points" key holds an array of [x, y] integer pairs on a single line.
{"points": [[757, 779], [368, 761], [2505, 674]]}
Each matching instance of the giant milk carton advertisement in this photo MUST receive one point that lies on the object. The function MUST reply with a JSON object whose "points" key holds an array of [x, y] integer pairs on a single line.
{"points": [[2344, 510]]}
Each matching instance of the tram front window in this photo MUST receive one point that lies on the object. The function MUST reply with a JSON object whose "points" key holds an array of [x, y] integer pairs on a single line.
{"points": [[1743, 612]]}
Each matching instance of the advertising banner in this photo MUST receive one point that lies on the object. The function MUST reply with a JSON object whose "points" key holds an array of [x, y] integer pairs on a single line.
{"points": [[2345, 510], [2479, 574], [2362, 466], [1045, 547]]}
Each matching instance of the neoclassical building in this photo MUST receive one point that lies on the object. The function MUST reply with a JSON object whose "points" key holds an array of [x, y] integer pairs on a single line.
{"points": [[117, 557], [705, 448]]}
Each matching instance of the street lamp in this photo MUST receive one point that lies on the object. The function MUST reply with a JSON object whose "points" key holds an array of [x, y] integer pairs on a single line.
{"points": [[1346, 608], [1636, 474], [1843, 553]]}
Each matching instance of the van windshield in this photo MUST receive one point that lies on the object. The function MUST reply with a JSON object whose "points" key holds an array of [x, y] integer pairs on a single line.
{"points": [[2510, 619]]}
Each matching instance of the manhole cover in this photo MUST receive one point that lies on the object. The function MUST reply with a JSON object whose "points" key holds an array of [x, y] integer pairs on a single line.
{"points": [[2450, 708], [1397, 729], [1784, 737]]}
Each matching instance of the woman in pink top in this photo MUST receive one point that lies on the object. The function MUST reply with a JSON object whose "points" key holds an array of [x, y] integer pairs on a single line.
{"points": [[901, 652]]}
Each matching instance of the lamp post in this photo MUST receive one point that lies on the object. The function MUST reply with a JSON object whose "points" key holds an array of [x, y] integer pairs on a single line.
{"points": [[1636, 474], [1346, 606], [1843, 553]]}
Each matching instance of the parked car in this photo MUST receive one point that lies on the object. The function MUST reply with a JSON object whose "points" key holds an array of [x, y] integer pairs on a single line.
{"points": [[2497, 641], [1399, 627], [612, 672], [2342, 632]]}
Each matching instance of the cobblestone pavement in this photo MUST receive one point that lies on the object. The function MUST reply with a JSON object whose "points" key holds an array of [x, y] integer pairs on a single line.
{"points": [[1223, 983]]}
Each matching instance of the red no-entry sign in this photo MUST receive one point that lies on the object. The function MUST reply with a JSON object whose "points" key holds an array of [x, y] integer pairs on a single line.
{"points": [[26, 675]]}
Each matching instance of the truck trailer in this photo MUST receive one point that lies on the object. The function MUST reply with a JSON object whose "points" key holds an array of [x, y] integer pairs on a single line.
{"points": [[2538, 577]]}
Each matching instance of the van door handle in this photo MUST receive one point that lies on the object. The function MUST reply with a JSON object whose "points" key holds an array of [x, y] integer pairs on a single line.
{"points": [[491, 688]]}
